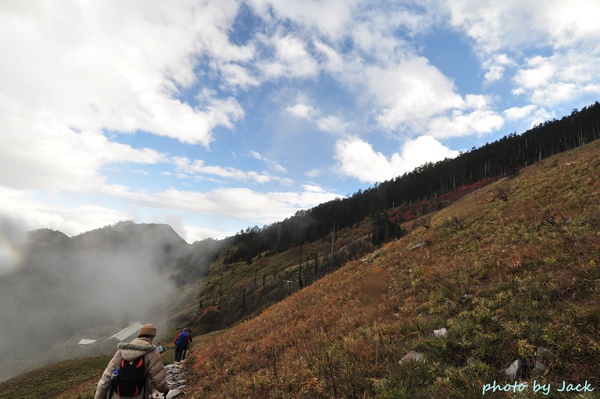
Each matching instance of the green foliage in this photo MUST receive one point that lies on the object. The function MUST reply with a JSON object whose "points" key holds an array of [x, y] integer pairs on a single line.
{"points": [[70, 379]]}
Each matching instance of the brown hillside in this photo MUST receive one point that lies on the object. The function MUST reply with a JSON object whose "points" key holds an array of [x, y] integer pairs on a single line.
{"points": [[511, 271]]}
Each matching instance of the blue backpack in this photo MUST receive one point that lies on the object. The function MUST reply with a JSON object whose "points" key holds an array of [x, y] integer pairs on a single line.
{"points": [[183, 339]]}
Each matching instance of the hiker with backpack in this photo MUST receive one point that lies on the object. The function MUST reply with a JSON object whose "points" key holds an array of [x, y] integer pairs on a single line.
{"points": [[133, 367], [181, 342], [188, 345]]}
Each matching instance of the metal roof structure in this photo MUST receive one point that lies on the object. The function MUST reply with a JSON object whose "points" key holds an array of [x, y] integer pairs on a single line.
{"points": [[127, 331]]}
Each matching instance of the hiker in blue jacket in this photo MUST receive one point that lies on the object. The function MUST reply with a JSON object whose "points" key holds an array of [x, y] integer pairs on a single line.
{"points": [[181, 342]]}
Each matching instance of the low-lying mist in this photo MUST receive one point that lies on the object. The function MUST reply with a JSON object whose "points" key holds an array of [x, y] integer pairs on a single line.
{"points": [[107, 277]]}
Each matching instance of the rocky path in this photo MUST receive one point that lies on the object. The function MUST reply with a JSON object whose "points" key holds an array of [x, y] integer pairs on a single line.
{"points": [[177, 379]]}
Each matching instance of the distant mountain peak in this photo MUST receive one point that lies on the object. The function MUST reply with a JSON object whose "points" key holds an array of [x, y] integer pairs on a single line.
{"points": [[46, 237]]}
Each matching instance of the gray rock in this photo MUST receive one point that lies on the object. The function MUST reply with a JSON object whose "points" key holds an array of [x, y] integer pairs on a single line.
{"points": [[539, 366], [372, 257], [440, 333], [412, 356], [175, 393], [541, 357], [515, 370], [419, 245], [542, 352], [177, 379]]}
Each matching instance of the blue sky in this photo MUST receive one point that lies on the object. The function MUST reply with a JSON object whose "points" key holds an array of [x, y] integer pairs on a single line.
{"points": [[218, 115]]}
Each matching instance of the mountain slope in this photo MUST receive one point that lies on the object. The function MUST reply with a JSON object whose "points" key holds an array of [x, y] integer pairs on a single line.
{"points": [[511, 271]]}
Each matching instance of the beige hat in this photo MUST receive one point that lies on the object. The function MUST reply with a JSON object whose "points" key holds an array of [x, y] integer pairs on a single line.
{"points": [[148, 329]]}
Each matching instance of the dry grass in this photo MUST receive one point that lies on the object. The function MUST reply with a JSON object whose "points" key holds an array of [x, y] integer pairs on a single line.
{"points": [[504, 276]]}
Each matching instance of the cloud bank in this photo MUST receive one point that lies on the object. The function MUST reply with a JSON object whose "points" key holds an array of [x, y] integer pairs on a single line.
{"points": [[152, 111]]}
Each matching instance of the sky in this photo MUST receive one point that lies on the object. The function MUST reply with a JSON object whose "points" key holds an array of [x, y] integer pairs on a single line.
{"points": [[217, 115]]}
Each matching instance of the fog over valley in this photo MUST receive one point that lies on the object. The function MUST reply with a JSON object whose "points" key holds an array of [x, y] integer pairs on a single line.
{"points": [[53, 286]]}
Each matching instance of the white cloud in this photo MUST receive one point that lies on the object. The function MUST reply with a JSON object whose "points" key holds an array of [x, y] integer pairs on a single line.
{"points": [[330, 18], [198, 167], [519, 113], [495, 67], [548, 81], [275, 166], [255, 155], [197, 233], [312, 173], [332, 60], [224, 204], [459, 124], [236, 75], [358, 159], [34, 212], [530, 114], [569, 23], [510, 24], [40, 153], [114, 66], [242, 203], [424, 149], [77, 69], [331, 124], [539, 72], [303, 111], [290, 60], [505, 31], [415, 94], [410, 92]]}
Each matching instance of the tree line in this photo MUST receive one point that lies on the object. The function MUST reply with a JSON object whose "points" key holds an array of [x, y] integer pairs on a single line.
{"points": [[491, 161]]}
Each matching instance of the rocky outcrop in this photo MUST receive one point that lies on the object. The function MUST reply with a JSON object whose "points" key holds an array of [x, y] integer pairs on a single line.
{"points": [[177, 379]]}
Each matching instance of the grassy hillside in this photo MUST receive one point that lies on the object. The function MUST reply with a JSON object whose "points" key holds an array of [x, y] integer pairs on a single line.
{"points": [[69, 379], [511, 271], [236, 291]]}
